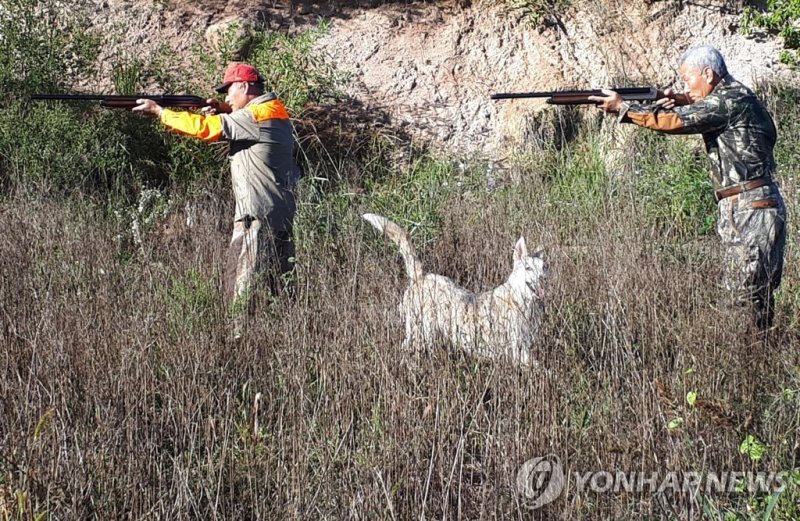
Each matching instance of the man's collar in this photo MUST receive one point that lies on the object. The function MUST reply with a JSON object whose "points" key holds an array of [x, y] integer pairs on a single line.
{"points": [[267, 96], [726, 80]]}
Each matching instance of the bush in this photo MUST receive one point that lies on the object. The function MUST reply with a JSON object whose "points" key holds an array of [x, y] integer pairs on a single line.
{"points": [[672, 184], [60, 148], [43, 49], [63, 147], [780, 17]]}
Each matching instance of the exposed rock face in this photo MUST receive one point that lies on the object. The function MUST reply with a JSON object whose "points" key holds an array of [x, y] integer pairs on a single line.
{"points": [[216, 33], [434, 70], [432, 66]]}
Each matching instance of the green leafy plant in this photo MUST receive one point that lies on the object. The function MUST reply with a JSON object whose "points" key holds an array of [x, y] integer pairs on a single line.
{"points": [[191, 302], [780, 17], [416, 194], [671, 181], [126, 76], [753, 447], [675, 423], [43, 49], [535, 10], [56, 147]]}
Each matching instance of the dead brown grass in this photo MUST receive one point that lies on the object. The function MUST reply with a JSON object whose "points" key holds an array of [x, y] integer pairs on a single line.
{"points": [[123, 396]]}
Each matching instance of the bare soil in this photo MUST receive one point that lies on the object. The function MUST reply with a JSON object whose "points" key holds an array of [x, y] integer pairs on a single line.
{"points": [[431, 66]]}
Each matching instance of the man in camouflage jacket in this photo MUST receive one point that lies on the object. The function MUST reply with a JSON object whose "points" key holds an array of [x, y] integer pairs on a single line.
{"points": [[739, 136]]}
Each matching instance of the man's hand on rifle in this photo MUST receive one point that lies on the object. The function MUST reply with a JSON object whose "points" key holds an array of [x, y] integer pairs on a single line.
{"points": [[148, 106], [215, 106], [671, 99], [610, 101]]}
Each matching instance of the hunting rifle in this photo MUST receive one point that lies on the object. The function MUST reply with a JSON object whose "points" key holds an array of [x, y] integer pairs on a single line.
{"points": [[127, 102], [581, 97]]}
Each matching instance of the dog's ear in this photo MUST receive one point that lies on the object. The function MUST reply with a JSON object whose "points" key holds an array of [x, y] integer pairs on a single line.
{"points": [[520, 251], [538, 252]]}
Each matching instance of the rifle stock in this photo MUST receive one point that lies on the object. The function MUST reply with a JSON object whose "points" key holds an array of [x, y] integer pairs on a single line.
{"points": [[581, 97], [127, 102]]}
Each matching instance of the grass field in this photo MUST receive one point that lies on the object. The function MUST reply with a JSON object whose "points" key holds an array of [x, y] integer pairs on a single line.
{"points": [[123, 395]]}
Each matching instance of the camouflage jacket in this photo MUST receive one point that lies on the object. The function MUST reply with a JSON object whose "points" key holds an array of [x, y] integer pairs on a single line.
{"points": [[738, 131]]}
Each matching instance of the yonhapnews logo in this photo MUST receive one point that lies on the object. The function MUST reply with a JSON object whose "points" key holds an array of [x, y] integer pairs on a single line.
{"points": [[541, 480]]}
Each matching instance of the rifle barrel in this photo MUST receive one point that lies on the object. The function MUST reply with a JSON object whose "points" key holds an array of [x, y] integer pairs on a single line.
{"points": [[516, 95], [68, 97], [118, 101], [638, 93]]}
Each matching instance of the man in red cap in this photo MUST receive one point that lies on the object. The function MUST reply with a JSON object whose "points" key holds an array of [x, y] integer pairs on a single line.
{"points": [[263, 171]]}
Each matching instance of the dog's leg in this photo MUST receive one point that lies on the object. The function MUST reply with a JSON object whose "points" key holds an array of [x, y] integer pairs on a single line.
{"points": [[410, 341], [523, 357]]}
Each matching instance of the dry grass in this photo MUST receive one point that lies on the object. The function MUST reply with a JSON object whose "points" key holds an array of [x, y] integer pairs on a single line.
{"points": [[122, 395]]}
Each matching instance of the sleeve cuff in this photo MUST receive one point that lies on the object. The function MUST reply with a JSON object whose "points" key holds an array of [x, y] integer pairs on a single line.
{"points": [[624, 107]]}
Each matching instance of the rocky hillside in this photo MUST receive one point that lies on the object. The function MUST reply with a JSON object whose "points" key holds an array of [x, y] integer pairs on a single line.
{"points": [[431, 66]]}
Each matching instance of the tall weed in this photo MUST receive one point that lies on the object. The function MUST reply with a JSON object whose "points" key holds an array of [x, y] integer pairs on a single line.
{"points": [[121, 365], [672, 184]]}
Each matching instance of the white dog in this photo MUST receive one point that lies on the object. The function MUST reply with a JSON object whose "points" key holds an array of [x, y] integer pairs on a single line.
{"points": [[501, 322]]}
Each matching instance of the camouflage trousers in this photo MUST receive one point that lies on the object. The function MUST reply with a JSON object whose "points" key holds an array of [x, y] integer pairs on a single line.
{"points": [[257, 256], [752, 227]]}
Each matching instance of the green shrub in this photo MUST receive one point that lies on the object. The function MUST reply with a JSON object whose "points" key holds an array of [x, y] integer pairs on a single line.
{"points": [[672, 184], [191, 303], [43, 49], [579, 179], [782, 101], [57, 147], [415, 195], [569, 165], [63, 147], [780, 17], [291, 66], [535, 10]]}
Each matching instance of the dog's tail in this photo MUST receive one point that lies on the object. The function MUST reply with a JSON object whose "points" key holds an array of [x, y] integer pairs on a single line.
{"points": [[400, 237]]}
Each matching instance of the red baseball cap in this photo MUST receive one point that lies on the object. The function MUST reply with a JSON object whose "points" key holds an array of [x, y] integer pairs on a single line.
{"points": [[238, 72]]}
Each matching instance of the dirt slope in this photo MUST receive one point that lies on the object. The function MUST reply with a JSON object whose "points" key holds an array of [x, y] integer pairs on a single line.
{"points": [[434, 69], [431, 66]]}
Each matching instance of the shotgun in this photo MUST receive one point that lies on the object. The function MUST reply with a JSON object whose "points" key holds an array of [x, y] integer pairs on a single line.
{"points": [[581, 97], [127, 102]]}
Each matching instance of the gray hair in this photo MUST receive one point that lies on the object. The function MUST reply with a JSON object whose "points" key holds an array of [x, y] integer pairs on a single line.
{"points": [[704, 56]]}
